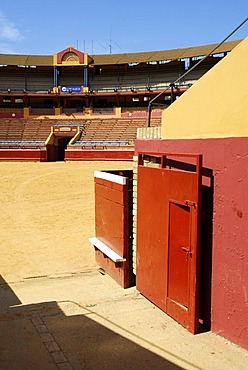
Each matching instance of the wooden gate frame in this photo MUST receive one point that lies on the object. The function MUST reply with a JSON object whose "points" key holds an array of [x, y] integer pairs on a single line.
{"points": [[191, 319]]}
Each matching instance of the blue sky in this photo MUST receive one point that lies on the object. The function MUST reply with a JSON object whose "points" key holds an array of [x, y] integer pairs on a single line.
{"points": [[104, 26]]}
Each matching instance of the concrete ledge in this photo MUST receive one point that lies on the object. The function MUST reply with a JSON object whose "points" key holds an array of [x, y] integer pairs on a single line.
{"points": [[106, 250], [110, 177]]}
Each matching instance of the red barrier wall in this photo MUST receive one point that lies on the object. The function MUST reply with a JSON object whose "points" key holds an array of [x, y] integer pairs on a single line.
{"points": [[10, 115], [22, 154], [90, 155], [228, 159], [70, 155]]}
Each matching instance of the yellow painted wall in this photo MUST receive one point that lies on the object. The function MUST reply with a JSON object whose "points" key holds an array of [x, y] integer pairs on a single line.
{"points": [[216, 106]]}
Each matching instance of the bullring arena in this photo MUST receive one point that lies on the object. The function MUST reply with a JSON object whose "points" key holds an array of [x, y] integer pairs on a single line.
{"points": [[114, 231], [47, 217]]}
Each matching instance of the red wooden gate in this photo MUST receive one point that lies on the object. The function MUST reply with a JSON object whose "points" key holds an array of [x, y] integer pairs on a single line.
{"points": [[168, 234]]}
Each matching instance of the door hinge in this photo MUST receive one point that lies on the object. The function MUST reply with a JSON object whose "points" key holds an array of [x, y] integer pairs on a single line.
{"points": [[190, 203]]}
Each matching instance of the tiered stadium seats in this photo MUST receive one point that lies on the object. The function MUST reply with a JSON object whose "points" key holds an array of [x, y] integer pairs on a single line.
{"points": [[95, 133], [118, 131], [39, 79], [72, 77], [12, 78], [23, 133]]}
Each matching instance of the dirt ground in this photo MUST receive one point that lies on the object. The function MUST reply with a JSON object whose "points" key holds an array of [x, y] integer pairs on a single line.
{"points": [[47, 216]]}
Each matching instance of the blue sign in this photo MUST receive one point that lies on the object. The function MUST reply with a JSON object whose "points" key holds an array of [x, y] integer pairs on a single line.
{"points": [[71, 89]]}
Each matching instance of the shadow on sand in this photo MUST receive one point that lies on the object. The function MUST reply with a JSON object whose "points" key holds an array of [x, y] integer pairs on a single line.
{"points": [[41, 336]]}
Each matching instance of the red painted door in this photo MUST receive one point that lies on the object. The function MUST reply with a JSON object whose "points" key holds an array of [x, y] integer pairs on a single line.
{"points": [[178, 247], [168, 236]]}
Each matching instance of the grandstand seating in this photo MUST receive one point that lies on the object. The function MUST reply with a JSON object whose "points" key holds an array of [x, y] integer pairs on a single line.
{"points": [[146, 75], [12, 78], [11, 129], [114, 131], [21, 132], [109, 78], [39, 79], [153, 76], [30, 85], [103, 133], [72, 77], [44, 129], [200, 70]]}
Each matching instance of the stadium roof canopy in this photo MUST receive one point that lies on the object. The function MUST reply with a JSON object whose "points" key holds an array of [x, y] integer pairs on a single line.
{"points": [[125, 58]]}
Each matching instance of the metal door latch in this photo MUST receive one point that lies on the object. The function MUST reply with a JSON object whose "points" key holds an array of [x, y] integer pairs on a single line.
{"points": [[186, 250]]}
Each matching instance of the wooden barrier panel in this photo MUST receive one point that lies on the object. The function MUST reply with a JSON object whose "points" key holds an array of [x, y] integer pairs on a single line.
{"points": [[113, 218]]}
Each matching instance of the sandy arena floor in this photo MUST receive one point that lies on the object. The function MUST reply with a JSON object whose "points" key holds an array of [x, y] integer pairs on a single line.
{"points": [[47, 216]]}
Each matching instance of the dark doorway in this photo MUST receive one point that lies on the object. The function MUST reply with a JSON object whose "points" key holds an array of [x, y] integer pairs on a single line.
{"points": [[62, 146]]}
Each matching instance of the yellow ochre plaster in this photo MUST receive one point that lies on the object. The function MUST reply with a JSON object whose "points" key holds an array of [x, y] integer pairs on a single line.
{"points": [[216, 106]]}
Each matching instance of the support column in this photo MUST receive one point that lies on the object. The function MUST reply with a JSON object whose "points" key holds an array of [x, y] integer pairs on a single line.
{"points": [[55, 77], [26, 112], [86, 76], [26, 78], [172, 92]]}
